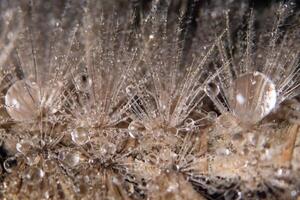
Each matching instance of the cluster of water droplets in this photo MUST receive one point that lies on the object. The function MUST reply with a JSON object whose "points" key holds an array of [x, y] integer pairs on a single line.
{"points": [[124, 134]]}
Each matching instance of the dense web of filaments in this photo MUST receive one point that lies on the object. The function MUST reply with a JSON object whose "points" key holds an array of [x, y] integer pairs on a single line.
{"points": [[94, 107]]}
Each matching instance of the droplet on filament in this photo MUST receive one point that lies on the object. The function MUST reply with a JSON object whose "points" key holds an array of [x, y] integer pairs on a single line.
{"points": [[25, 100], [212, 89], [252, 96], [33, 175], [80, 136], [22, 100]]}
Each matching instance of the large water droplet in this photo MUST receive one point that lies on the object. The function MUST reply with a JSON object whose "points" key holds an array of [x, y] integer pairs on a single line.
{"points": [[108, 149], [252, 96], [80, 136], [22, 100], [33, 175], [25, 100], [212, 89]]}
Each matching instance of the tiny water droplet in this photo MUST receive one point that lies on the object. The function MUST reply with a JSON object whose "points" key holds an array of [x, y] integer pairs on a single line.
{"points": [[108, 148], [24, 146], [80, 136], [69, 158], [10, 164], [130, 90], [212, 89], [33, 175], [212, 115], [135, 126], [49, 165], [32, 158]]}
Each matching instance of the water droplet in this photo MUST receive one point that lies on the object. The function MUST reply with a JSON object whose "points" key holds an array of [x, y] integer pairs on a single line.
{"points": [[24, 146], [49, 166], [80, 136], [33, 175], [25, 100], [135, 126], [22, 100], [69, 158], [83, 82], [252, 96], [130, 90], [212, 89], [212, 115], [10, 164], [32, 158], [108, 148]]}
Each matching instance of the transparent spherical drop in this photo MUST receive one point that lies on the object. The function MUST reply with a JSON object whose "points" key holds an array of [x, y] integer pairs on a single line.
{"points": [[212, 115], [80, 136], [49, 165], [24, 146], [71, 159], [25, 100], [130, 90], [33, 175], [32, 158], [22, 100], [10, 164], [252, 96], [108, 148], [135, 126], [212, 89], [83, 82]]}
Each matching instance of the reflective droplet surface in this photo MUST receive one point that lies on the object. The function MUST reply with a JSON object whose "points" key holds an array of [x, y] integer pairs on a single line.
{"points": [[69, 158], [212, 89], [135, 126], [130, 90], [24, 146], [22, 100], [33, 175], [212, 115], [252, 96], [32, 158], [80, 136], [25, 100], [49, 166], [10, 164]]}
